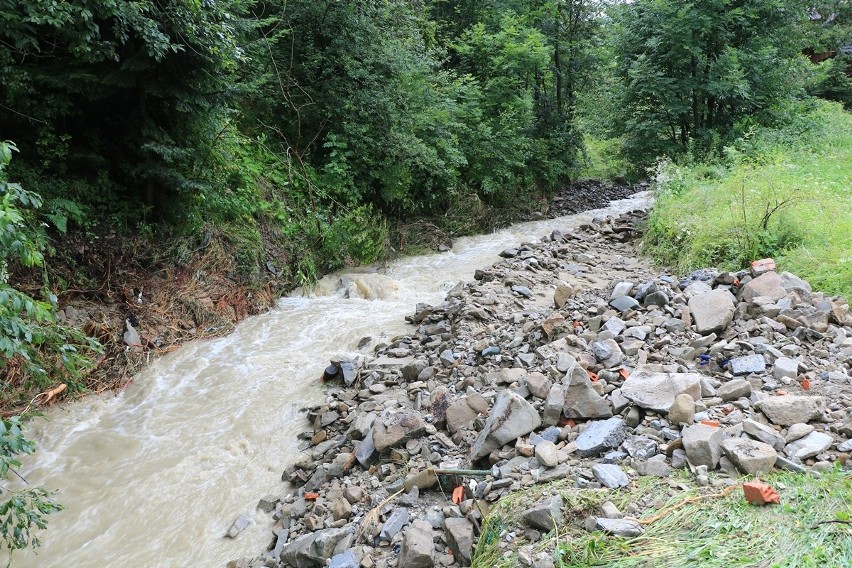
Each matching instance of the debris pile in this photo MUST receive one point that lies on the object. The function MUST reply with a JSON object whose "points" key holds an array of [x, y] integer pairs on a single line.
{"points": [[568, 359]]}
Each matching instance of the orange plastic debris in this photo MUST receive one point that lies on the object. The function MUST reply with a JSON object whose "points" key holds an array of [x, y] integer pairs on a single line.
{"points": [[781, 393], [758, 493], [624, 373], [566, 422], [458, 494], [713, 423], [311, 496], [806, 384], [592, 375]]}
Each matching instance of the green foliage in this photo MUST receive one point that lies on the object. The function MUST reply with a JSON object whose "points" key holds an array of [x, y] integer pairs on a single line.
{"points": [[697, 74], [778, 192], [30, 334], [22, 512]]}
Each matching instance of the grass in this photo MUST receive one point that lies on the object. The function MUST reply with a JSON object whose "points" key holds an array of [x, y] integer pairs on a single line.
{"points": [[718, 532], [785, 193]]}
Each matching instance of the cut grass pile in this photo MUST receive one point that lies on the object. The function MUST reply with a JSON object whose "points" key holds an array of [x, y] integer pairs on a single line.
{"points": [[785, 193], [810, 528]]}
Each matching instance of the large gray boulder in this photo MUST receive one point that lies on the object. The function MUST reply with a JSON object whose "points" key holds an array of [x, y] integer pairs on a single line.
{"points": [[581, 399], [791, 409], [657, 391], [396, 429], [313, 549], [712, 311], [750, 456], [511, 417], [459, 535], [418, 549], [767, 285], [703, 444], [601, 435]]}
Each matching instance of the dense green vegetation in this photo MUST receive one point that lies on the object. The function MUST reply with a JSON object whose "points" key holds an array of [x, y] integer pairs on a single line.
{"points": [[783, 193], [303, 135]]}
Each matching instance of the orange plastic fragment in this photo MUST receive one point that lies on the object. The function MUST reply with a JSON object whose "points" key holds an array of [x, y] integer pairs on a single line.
{"points": [[758, 493], [458, 494], [780, 393], [311, 496], [592, 375], [806, 384], [713, 423], [578, 323], [624, 373], [563, 421]]}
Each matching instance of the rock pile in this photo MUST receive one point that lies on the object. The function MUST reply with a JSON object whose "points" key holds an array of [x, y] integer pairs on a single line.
{"points": [[567, 359]]}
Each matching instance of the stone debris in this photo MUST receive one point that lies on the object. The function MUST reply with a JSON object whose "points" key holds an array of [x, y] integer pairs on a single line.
{"points": [[569, 359]]}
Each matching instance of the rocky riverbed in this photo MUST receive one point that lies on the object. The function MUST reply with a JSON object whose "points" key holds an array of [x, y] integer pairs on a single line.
{"points": [[570, 359]]}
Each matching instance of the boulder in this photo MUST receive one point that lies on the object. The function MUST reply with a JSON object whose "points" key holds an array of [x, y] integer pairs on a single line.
{"points": [[790, 409], [511, 417], [601, 435], [459, 536], [418, 549], [712, 311], [750, 456], [657, 391], [581, 399], [396, 429], [703, 444], [767, 285]]}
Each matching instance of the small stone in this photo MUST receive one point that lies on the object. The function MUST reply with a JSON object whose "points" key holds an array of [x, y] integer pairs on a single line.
{"points": [[682, 410], [397, 519], [748, 364], [546, 515], [345, 559], [418, 549], [239, 525], [797, 431], [656, 466], [340, 509], [581, 399], [785, 367], [547, 454], [624, 303], [353, 494], [610, 511], [763, 433], [610, 475], [511, 417], [459, 536], [619, 527], [712, 311], [734, 389]]}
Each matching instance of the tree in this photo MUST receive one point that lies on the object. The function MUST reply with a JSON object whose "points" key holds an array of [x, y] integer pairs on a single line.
{"points": [[692, 71], [132, 92]]}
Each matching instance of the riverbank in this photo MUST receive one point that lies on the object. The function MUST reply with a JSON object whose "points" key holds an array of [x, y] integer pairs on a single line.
{"points": [[565, 372], [173, 292]]}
